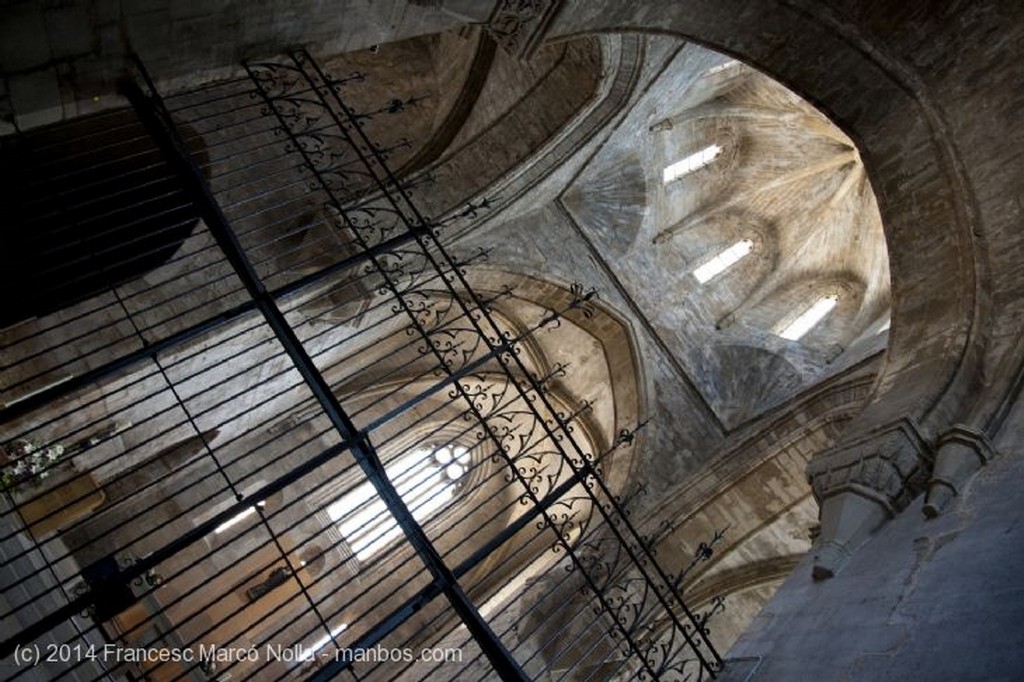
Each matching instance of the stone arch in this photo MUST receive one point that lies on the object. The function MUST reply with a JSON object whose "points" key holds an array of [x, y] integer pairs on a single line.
{"points": [[727, 291], [692, 135], [757, 492], [743, 577], [924, 155], [486, 500], [716, 81], [519, 110], [776, 309], [617, 341]]}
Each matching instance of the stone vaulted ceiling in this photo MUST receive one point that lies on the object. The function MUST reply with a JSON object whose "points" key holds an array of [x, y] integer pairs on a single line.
{"points": [[781, 178], [785, 179]]}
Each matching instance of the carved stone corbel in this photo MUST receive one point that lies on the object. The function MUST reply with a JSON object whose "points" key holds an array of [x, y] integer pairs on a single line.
{"points": [[860, 484], [959, 454]]}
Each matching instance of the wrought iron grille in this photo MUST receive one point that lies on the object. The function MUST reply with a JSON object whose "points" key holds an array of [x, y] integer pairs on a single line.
{"points": [[258, 424]]}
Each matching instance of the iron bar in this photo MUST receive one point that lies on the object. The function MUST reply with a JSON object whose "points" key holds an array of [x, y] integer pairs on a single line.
{"points": [[310, 345], [503, 663]]}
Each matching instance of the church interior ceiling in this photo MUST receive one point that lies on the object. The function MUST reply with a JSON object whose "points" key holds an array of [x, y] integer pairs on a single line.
{"points": [[581, 419]]}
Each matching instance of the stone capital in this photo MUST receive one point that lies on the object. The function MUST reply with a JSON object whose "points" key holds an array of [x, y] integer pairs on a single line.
{"points": [[959, 454], [890, 464], [967, 436], [862, 482]]}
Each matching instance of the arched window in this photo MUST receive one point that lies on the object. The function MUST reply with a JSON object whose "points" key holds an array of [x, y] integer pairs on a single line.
{"points": [[723, 261], [691, 163], [426, 478], [808, 319]]}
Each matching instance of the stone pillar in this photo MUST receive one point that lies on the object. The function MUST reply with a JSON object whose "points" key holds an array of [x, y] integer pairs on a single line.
{"points": [[959, 454], [861, 483]]}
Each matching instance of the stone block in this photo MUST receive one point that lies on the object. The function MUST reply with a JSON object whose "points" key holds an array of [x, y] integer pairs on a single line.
{"points": [[23, 40], [69, 30], [35, 98], [150, 35]]}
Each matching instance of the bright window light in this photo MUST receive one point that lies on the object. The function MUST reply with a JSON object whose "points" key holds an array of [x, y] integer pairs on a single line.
{"points": [[238, 518], [723, 261], [693, 162], [322, 642], [426, 480], [809, 318]]}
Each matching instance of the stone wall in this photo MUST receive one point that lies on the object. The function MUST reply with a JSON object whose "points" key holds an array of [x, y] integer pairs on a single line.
{"points": [[922, 600], [61, 60]]}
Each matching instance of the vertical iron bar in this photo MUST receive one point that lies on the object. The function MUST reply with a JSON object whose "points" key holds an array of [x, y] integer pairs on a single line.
{"points": [[163, 133], [501, 344], [301, 57]]}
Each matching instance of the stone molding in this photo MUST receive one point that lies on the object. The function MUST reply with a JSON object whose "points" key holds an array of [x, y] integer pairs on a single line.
{"points": [[623, 60], [959, 454], [890, 465], [518, 26], [968, 436], [863, 482]]}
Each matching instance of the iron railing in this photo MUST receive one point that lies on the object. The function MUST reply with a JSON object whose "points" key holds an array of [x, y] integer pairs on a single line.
{"points": [[270, 430]]}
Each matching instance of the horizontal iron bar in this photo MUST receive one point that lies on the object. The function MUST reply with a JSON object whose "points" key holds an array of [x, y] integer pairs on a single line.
{"points": [[152, 560], [151, 350], [505, 666], [389, 624]]}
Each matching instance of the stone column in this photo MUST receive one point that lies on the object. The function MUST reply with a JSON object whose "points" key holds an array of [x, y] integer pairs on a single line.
{"points": [[959, 454], [860, 484]]}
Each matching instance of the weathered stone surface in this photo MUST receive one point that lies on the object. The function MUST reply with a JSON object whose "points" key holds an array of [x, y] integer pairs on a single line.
{"points": [[960, 453], [923, 599], [190, 42], [38, 96], [929, 92]]}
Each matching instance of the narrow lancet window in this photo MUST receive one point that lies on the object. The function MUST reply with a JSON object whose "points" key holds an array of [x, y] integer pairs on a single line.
{"points": [[809, 318], [723, 261], [691, 163], [425, 478]]}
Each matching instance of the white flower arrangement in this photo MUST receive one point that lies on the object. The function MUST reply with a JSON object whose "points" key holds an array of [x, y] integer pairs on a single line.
{"points": [[26, 462]]}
